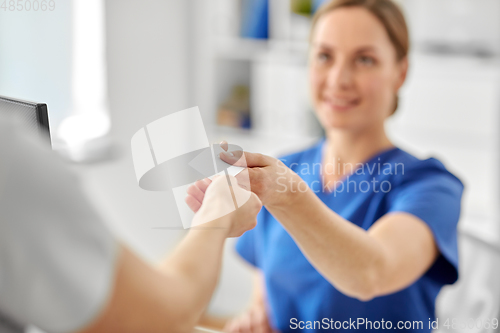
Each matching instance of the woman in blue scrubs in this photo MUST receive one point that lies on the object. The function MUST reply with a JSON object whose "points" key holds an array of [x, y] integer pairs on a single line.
{"points": [[356, 233]]}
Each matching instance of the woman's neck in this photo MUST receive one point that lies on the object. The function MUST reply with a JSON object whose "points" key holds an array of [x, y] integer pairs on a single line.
{"points": [[347, 147]]}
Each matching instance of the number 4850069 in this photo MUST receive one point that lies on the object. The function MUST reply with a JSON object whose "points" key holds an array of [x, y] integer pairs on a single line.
{"points": [[28, 5]]}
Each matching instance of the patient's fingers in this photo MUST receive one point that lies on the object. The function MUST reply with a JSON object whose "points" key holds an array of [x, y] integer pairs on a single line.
{"points": [[192, 203], [203, 184], [195, 192]]}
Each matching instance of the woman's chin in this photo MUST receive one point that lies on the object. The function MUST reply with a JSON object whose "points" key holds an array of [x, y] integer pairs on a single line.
{"points": [[338, 127], [337, 122]]}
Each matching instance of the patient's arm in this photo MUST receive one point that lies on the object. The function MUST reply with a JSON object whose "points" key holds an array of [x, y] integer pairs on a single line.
{"points": [[171, 298], [148, 299]]}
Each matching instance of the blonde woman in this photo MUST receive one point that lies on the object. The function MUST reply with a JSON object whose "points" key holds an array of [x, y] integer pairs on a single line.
{"points": [[355, 233]]}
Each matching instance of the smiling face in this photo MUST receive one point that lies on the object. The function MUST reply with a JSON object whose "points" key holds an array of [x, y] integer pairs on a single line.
{"points": [[354, 70]]}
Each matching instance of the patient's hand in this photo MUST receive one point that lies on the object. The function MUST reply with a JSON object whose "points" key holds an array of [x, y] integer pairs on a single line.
{"points": [[196, 194], [211, 202]]}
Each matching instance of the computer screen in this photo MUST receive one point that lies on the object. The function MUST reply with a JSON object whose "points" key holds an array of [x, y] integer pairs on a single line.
{"points": [[34, 114]]}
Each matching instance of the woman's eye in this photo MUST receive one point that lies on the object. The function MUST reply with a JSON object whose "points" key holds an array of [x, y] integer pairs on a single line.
{"points": [[365, 61], [323, 57]]}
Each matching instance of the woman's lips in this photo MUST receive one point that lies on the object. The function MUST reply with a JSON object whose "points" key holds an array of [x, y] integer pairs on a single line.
{"points": [[341, 104]]}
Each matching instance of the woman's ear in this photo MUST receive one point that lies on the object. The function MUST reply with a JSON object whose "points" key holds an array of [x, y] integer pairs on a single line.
{"points": [[402, 72]]}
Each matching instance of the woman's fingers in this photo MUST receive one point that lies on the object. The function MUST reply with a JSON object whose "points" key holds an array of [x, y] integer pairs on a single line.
{"points": [[244, 180], [224, 145], [231, 326], [241, 324], [234, 157], [245, 324], [257, 322], [245, 159], [238, 325], [253, 321]]}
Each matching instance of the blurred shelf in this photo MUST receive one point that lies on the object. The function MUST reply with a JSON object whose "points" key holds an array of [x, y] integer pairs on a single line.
{"points": [[240, 48], [403, 134], [253, 49], [264, 143], [455, 65], [486, 230]]}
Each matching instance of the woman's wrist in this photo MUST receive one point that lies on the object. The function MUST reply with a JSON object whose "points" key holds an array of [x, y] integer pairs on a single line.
{"points": [[290, 194]]}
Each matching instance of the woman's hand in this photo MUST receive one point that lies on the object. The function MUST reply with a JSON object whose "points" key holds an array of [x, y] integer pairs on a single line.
{"points": [[273, 182], [254, 320]]}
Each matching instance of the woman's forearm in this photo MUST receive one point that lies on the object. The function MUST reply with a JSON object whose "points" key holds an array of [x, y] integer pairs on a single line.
{"points": [[396, 250], [342, 252]]}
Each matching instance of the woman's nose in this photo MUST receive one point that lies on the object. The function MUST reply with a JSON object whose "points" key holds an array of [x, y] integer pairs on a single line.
{"points": [[340, 76]]}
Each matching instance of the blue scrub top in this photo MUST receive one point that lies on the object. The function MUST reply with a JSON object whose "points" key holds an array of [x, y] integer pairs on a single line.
{"points": [[392, 181]]}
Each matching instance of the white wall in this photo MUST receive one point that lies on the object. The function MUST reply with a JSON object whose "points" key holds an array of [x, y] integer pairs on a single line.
{"points": [[151, 72], [35, 57], [148, 54], [148, 77]]}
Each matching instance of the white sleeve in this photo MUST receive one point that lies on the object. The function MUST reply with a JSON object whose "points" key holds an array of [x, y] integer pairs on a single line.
{"points": [[57, 258]]}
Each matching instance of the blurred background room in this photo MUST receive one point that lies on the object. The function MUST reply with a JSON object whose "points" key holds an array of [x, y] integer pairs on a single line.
{"points": [[106, 68]]}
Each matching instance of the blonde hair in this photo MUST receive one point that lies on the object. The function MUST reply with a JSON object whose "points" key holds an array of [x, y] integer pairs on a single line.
{"points": [[388, 13]]}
